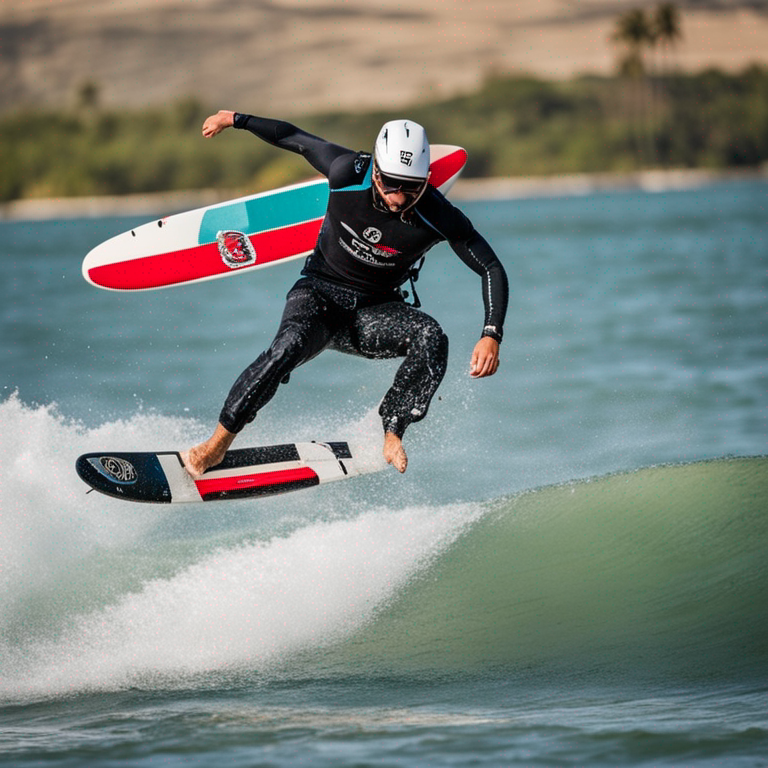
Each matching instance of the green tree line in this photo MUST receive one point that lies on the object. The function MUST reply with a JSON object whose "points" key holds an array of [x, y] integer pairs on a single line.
{"points": [[511, 126]]}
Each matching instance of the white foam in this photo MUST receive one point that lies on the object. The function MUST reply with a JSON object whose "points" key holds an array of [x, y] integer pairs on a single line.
{"points": [[252, 604], [47, 520]]}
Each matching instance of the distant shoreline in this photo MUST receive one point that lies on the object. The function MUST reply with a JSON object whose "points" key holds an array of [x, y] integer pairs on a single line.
{"points": [[166, 203]]}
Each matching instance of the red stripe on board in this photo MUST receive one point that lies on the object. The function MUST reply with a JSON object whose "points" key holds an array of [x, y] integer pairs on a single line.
{"points": [[258, 480], [203, 260], [446, 167]]}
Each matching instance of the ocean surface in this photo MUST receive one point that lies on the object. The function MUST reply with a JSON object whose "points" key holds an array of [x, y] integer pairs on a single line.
{"points": [[572, 572]]}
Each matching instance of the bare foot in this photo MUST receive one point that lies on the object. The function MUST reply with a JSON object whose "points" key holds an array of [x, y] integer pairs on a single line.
{"points": [[208, 454], [394, 452], [195, 461]]}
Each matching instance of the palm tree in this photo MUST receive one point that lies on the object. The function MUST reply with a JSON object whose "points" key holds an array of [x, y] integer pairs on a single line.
{"points": [[636, 31], [666, 21], [667, 25]]}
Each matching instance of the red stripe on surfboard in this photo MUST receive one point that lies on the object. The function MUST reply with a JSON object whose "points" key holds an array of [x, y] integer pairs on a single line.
{"points": [[203, 260], [257, 480], [447, 167]]}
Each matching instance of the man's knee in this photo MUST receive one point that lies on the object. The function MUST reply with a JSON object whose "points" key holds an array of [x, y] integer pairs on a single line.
{"points": [[431, 339]]}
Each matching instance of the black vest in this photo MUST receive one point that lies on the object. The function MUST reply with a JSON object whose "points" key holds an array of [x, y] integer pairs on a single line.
{"points": [[369, 249]]}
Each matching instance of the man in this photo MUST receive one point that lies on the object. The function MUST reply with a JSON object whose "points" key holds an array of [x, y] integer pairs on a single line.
{"points": [[382, 217]]}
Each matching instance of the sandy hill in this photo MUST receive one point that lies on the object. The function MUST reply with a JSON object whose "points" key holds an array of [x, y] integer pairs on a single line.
{"points": [[293, 56]]}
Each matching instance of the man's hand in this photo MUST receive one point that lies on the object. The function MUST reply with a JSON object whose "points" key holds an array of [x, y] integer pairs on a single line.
{"points": [[215, 124], [485, 358]]}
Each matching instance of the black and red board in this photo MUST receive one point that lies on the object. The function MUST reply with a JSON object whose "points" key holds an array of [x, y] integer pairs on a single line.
{"points": [[246, 472]]}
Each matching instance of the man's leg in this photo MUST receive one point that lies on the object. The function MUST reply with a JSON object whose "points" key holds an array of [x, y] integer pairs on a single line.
{"points": [[398, 330], [302, 334]]}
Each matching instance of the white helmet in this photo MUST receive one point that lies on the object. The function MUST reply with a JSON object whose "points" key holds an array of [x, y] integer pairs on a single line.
{"points": [[402, 150]]}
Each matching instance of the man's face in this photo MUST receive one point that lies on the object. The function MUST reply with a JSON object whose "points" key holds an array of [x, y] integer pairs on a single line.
{"points": [[397, 194]]}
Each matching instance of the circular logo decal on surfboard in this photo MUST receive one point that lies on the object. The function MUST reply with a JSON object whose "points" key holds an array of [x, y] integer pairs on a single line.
{"points": [[118, 470], [235, 249]]}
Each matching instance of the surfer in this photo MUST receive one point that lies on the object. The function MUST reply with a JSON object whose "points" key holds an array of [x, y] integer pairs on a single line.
{"points": [[382, 218]]}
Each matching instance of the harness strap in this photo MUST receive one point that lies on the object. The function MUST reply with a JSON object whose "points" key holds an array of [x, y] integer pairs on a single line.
{"points": [[413, 276]]}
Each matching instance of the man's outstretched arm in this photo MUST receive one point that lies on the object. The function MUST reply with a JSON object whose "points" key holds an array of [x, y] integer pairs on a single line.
{"points": [[318, 152]]}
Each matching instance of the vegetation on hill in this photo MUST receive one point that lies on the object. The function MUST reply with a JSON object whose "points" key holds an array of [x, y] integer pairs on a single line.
{"points": [[512, 126]]}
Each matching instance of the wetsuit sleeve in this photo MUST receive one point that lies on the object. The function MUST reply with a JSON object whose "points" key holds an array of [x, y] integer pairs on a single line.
{"points": [[471, 247], [478, 255], [319, 153]]}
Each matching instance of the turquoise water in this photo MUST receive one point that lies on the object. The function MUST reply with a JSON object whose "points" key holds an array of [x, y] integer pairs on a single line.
{"points": [[572, 571]]}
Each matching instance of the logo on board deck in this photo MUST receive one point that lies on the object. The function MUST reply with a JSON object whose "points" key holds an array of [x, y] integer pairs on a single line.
{"points": [[115, 469], [235, 249]]}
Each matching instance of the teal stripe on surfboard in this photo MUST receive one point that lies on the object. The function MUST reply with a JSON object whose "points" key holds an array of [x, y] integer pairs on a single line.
{"points": [[272, 211]]}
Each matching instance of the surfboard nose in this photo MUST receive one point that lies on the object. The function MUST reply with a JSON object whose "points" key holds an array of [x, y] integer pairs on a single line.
{"points": [[134, 476]]}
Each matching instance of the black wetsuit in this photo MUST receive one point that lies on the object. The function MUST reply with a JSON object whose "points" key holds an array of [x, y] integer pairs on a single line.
{"points": [[349, 297]]}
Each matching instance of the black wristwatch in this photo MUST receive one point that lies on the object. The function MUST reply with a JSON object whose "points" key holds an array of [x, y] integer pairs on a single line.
{"points": [[493, 332]]}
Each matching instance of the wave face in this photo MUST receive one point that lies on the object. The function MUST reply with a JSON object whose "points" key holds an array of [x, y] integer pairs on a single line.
{"points": [[659, 572]]}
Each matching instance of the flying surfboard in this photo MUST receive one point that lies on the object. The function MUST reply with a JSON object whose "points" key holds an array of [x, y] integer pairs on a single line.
{"points": [[230, 238], [244, 472]]}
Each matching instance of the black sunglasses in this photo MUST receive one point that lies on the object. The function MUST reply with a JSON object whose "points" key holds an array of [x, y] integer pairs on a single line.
{"points": [[390, 184]]}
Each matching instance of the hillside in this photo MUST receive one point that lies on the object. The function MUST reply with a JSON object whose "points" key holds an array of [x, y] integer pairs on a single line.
{"points": [[296, 56]]}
